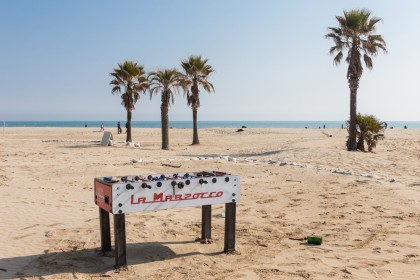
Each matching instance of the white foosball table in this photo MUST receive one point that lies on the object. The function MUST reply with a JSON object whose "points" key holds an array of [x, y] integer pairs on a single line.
{"points": [[119, 195]]}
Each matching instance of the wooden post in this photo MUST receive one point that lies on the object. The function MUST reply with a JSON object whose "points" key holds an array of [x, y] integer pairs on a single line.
{"points": [[230, 221], [206, 222], [120, 243], [105, 230]]}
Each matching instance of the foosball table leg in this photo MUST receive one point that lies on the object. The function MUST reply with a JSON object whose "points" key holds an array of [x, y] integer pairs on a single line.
{"points": [[105, 230], [206, 222], [230, 221], [120, 242]]}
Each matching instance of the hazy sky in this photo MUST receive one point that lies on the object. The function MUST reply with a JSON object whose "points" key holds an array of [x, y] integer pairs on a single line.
{"points": [[271, 58]]}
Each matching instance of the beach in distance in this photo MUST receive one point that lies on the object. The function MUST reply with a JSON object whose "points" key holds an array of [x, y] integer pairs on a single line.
{"points": [[202, 124], [295, 182]]}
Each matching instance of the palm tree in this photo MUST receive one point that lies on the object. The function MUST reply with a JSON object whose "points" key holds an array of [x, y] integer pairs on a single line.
{"points": [[196, 74], [355, 36], [168, 83], [369, 130], [130, 78]]}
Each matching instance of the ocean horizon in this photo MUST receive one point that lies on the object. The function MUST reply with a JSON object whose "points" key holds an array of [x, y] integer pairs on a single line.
{"points": [[201, 124]]}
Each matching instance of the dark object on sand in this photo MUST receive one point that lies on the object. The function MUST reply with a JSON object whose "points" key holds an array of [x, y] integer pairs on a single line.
{"points": [[327, 134], [405, 127], [314, 239], [244, 126], [240, 130]]}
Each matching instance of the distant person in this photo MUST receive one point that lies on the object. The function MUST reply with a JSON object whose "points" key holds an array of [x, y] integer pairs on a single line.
{"points": [[102, 127], [85, 125], [405, 127], [386, 125], [324, 126], [342, 126], [126, 127], [119, 128]]}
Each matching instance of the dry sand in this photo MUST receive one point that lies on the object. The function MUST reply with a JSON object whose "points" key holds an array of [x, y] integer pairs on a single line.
{"points": [[369, 219]]}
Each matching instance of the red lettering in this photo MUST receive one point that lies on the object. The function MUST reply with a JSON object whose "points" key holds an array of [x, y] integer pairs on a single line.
{"points": [[157, 196], [139, 200], [202, 195]]}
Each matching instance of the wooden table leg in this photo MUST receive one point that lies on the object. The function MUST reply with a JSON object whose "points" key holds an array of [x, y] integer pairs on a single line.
{"points": [[206, 222], [105, 230], [120, 242], [230, 223]]}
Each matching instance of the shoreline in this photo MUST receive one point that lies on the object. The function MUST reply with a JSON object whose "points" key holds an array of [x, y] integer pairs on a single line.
{"points": [[203, 124]]}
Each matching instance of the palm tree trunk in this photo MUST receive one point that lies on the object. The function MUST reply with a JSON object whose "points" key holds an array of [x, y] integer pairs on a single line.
{"points": [[195, 128], [361, 142], [164, 112], [129, 116], [351, 144]]}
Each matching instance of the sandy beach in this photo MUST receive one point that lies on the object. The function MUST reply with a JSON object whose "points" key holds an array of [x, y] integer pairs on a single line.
{"points": [[294, 183]]}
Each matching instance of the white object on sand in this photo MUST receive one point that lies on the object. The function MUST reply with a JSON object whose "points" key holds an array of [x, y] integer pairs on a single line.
{"points": [[106, 138], [343, 172], [232, 159]]}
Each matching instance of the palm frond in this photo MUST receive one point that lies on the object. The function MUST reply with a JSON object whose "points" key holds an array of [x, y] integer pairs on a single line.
{"points": [[368, 61], [338, 57], [132, 78], [355, 33], [196, 74]]}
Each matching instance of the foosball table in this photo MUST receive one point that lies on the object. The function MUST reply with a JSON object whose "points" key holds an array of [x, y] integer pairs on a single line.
{"points": [[127, 194]]}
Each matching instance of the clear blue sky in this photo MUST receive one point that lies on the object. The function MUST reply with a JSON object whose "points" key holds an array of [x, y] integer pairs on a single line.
{"points": [[271, 58]]}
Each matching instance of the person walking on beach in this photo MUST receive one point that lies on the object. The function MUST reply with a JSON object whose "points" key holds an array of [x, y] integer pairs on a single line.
{"points": [[119, 128], [102, 127]]}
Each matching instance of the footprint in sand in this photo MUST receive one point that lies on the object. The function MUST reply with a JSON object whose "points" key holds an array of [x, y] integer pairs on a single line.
{"points": [[264, 201], [21, 237], [32, 226]]}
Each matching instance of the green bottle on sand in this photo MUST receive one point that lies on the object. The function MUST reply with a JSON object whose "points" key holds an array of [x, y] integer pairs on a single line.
{"points": [[314, 239]]}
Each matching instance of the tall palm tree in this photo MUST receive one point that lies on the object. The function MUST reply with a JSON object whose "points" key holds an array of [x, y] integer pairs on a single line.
{"points": [[167, 82], [355, 36], [197, 72], [131, 79]]}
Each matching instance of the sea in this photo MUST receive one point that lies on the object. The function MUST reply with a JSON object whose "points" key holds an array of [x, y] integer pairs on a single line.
{"points": [[202, 124]]}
